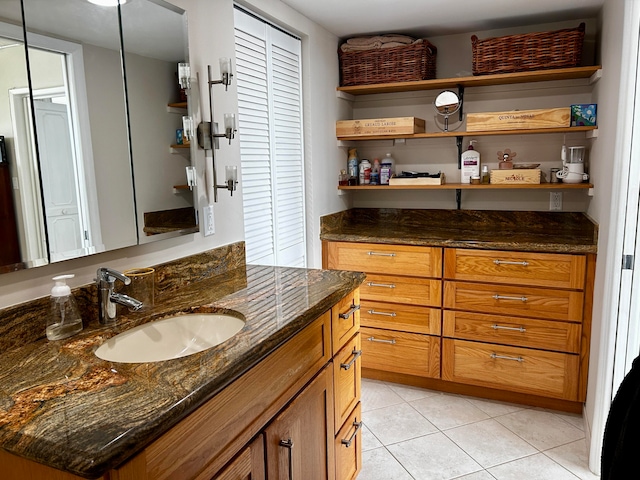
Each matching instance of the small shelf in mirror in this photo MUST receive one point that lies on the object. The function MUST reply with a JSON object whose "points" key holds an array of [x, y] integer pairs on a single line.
{"points": [[181, 149], [178, 107]]}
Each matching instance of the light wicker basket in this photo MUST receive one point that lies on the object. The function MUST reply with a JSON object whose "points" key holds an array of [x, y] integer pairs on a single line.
{"points": [[388, 65], [528, 51]]}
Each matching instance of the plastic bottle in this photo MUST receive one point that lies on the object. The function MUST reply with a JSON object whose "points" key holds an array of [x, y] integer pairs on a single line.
{"points": [[390, 160], [352, 163], [375, 172], [365, 172], [64, 319], [469, 164]]}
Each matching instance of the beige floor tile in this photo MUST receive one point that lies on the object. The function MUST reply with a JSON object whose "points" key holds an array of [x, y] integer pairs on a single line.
{"points": [[482, 475], [409, 393], [541, 428], [494, 408], [378, 394], [534, 467], [369, 440], [573, 457], [397, 423], [433, 457], [448, 411], [379, 464], [489, 443]]}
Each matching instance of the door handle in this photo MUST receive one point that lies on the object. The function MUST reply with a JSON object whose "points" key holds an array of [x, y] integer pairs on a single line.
{"points": [[288, 444], [352, 310], [356, 354]]}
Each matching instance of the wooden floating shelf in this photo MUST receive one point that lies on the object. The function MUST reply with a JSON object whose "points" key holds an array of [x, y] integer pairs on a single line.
{"points": [[188, 145], [529, 131], [479, 81], [467, 186]]}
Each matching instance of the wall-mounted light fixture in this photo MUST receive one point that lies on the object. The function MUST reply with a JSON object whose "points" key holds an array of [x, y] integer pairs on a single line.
{"points": [[208, 131]]}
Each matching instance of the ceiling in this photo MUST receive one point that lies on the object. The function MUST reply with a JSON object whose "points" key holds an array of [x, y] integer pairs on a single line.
{"points": [[346, 18]]}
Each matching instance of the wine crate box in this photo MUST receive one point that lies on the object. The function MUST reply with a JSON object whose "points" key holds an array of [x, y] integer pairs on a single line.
{"points": [[519, 119], [380, 126], [516, 176]]}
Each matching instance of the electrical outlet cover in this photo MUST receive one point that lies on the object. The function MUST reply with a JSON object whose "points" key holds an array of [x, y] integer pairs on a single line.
{"points": [[208, 221], [555, 201]]}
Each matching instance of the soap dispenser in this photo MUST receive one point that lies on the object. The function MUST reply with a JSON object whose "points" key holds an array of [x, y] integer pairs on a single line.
{"points": [[469, 164], [64, 318]]}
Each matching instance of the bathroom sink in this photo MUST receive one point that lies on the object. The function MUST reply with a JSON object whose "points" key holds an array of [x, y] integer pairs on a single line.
{"points": [[169, 338]]}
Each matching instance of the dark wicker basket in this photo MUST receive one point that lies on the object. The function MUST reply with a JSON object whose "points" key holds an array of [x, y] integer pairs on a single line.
{"points": [[529, 51], [387, 65]]}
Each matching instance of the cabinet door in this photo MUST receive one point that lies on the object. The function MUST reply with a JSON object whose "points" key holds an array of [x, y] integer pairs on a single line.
{"points": [[347, 380], [345, 320], [348, 447], [299, 442], [249, 465]]}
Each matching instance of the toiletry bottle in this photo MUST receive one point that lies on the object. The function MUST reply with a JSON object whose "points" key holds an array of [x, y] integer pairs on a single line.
{"points": [[375, 172], [352, 164], [64, 318], [365, 172], [486, 178], [469, 164], [389, 160]]}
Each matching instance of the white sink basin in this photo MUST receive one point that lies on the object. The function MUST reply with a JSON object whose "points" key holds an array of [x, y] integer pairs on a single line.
{"points": [[172, 337]]}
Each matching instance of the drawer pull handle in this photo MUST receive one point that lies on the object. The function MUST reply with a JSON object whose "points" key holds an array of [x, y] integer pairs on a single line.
{"points": [[504, 297], [347, 443], [288, 444], [386, 314], [374, 339], [517, 329], [385, 285], [507, 262], [356, 354], [352, 310], [380, 254], [503, 357]]}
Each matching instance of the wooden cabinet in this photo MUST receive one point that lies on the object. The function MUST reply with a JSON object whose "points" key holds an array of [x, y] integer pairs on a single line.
{"points": [[515, 323], [279, 420], [348, 447], [299, 442], [400, 304]]}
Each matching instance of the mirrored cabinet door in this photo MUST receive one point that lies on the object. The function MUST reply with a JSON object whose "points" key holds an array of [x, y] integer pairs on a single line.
{"points": [[80, 133]]}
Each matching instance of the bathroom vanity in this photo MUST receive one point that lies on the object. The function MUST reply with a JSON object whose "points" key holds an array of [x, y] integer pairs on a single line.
{"points": [[494, 304], [280, 396]]}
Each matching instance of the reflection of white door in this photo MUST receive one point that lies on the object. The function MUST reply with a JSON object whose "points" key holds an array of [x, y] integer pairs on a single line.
{"points": [[59, 184]]}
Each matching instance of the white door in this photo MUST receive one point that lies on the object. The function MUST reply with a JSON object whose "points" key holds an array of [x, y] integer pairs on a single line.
{"points": [[65, 228]]}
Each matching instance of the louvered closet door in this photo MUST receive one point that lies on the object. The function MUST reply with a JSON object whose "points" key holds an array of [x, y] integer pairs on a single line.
{"points": [[268, 69]]}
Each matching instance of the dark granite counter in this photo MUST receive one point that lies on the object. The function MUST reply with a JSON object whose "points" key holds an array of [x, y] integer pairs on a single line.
{"points": [[562, 232], [62, 406]]}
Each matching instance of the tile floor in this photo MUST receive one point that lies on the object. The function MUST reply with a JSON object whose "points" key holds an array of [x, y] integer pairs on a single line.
{"points": [[412, 433]]}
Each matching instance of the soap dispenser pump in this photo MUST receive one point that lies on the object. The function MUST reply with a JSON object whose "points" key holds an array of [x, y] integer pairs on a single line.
{"points": [[469, 163], [64, 319]]}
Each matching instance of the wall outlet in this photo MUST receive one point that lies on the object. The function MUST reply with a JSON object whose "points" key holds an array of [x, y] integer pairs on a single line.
{"points": [[555, 201], [207, 221]]}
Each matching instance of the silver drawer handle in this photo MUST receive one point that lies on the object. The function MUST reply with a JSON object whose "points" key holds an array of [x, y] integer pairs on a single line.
{"points": [[507, 262], [352, 310], [356, 354], [502, 357], [504, 297], [347, 443], [385, 285], [374, 339], [386, 314], [380, 254], [517, 329]]}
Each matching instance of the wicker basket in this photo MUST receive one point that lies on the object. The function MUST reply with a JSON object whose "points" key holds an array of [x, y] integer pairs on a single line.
{"points": [[387, 65], [529, 51]]}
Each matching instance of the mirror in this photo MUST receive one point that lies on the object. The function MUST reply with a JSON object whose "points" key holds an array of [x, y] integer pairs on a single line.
{"points": [[79, 198], [447, 103], [155, 41]]}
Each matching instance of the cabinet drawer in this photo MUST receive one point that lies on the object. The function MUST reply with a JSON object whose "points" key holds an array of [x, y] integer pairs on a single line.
{"points": [[406, 318], [400, 352], [345, 320], [516, 268], [348, 447], [346, 380], [510, 368], [521, 332], [552, 304], [381, 258], [413, 291]]}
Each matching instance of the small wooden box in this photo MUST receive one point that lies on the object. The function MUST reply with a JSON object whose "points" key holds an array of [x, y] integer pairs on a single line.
{"points": [[380, 126], [516, 176], [519, 119]]}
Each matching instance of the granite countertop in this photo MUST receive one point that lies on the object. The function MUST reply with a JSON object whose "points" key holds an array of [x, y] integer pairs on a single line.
{"points": [[62, 406], [560, 232]]}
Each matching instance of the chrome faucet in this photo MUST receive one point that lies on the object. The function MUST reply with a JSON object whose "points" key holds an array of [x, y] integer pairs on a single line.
{"points": [[107, 298]]}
